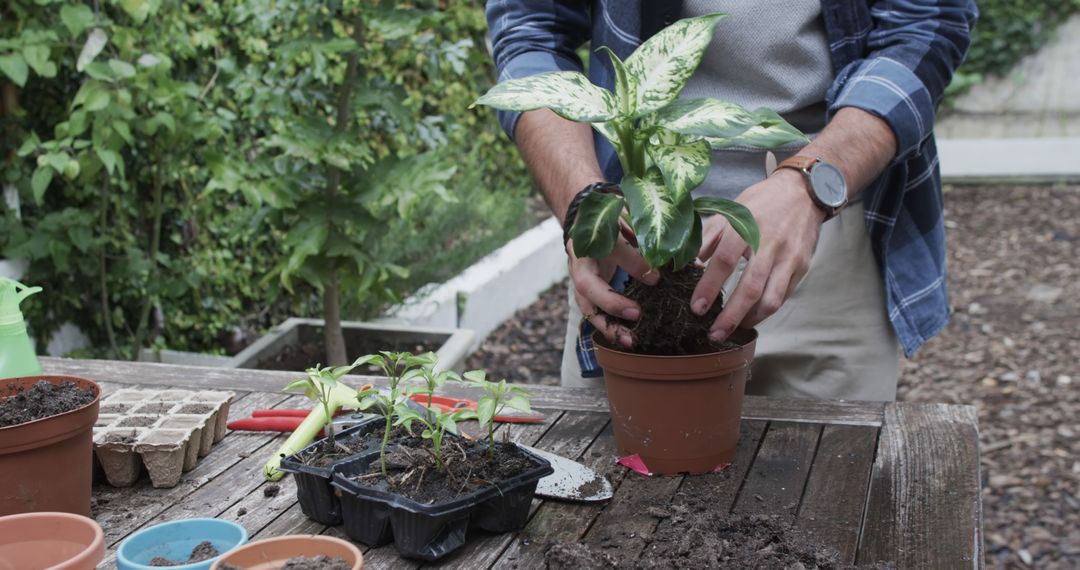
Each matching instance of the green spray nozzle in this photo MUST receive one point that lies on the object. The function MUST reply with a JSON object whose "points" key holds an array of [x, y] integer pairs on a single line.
{"points": [[11, 294]]}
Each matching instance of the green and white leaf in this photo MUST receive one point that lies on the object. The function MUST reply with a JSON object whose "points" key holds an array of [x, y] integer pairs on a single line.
{"points": [[738, 216], [607, 130], [689, 252], [568, 93], [683, 161], [770, 130], [662, 65], [625, 85], [596, 227], [704, 117], [661, 224]]}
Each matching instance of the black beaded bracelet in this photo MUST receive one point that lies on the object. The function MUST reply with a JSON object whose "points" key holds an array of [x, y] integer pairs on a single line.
{"points": [[571, 211]]}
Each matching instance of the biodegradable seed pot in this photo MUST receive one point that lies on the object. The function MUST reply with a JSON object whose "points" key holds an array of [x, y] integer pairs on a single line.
{"points": [[676, 400], [46, 463], [696, 429]]}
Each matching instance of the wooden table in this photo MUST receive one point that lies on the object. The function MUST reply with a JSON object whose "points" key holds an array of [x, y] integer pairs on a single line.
{"points": [[895, 482]]}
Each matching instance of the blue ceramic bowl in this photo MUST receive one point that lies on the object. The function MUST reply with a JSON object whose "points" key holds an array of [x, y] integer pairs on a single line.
{"points": [[175, 541]]}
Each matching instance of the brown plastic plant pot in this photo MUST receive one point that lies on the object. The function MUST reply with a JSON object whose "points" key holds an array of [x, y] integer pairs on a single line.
{"points": [[679, 414], [47, 464], [272, 553], [57, 541]]}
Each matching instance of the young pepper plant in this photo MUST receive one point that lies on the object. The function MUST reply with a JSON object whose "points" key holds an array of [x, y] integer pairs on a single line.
{"points": [[497, 397], [436, 425], [397, 366], [663, 143]]}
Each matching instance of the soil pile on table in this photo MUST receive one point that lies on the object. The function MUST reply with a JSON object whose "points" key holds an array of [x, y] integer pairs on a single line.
{"points": [[700, 539], [203, 551], [42, 400], [321, 562]]}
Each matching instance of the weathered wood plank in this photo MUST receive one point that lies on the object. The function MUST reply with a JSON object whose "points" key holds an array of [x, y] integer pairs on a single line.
{"points": [[778, 473], [924, 509], [292, 521], [723, 488], [835, 497], [554, 397]]}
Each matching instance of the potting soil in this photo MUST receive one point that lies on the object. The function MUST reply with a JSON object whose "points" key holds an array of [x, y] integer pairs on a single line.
{"points": [[203, 551], [412, 472], [326, 453], [697, 538], [309, 354], [42, 400], [321, 562]]}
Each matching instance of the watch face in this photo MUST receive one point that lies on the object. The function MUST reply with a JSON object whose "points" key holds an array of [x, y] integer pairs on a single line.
{"points": [[828, 184]]}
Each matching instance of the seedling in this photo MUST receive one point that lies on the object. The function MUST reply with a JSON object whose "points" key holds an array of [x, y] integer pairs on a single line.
{"points": [[319, 387], [663, 143], [497, 397], [397, 366], [436, 424]]}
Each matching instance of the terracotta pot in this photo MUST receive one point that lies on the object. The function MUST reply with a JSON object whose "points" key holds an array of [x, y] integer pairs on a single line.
{"points": [[680, 414], [57, 541], [272, 553], [47, 464]]}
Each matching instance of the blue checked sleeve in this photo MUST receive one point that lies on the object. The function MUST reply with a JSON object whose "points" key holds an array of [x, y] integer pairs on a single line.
{"points": [[914, 48], [529, 37]]}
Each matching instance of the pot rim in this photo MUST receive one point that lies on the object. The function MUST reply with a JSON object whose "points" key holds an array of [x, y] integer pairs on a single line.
{"points": [[751, 336], [61, 377], [314, 538], [94, 549]]}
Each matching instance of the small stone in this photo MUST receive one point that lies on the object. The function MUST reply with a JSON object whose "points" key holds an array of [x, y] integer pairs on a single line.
{"points": [[1043, 293], [976, 309], [1025, 556], [1063, 380], [1009, 377], [1033, 377]]}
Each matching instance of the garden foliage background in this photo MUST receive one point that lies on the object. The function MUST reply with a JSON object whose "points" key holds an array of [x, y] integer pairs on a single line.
{"points": [[190, 172], [173, 160]]}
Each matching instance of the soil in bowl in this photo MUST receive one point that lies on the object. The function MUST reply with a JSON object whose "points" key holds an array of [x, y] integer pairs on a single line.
{"points": [[692, 538], [42, 400], [412, 473], [202, 551], [320, 562]]}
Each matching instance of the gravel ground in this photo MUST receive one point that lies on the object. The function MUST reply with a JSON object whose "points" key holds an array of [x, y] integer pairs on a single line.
{"points": [[1011, 349]]}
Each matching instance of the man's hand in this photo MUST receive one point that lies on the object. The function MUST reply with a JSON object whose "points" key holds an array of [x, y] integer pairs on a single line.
{"points": [[789, 223], [595, 297], [861, 146]]}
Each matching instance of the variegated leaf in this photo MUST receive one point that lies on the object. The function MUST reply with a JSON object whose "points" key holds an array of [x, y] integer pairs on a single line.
{"points": [[690, 249], [596, 227], [770, 130], [704, 117], [739, 216], [662, 225], [568, 93], [662, 65], [625, 85], [607, 130], [683, 161]]}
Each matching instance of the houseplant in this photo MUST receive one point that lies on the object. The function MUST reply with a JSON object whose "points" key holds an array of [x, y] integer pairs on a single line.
{"points": [[663, 144], [46, 447]]}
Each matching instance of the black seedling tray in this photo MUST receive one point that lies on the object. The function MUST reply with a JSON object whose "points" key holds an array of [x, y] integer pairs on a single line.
{"points": [[317, 499], [429, 532]]}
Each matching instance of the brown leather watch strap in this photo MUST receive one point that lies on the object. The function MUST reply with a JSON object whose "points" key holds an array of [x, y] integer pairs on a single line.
{"points": [[799, 162]]}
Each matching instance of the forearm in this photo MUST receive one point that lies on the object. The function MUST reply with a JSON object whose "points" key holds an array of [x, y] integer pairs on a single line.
{"points": [[858, 143], [560, 156]]}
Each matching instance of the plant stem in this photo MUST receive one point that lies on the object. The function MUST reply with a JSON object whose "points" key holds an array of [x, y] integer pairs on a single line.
{"points": [[106, 311], [385, 438], [332, 333], [155, 245]]}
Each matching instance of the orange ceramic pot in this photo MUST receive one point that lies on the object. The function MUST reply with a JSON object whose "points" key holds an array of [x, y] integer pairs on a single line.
{"points": [[47, 464], [57, 541], [679, 414], [272, 553]]}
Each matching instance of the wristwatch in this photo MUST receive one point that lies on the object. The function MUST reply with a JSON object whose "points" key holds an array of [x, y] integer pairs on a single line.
{"points": [[824, 181]]}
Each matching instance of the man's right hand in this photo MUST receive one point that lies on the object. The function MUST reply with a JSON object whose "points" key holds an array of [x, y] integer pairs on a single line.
{"points": [[596, 298]]}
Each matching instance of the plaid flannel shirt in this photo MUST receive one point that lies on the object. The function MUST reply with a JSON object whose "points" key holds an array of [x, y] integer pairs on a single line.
{"points": [[891, 58]]}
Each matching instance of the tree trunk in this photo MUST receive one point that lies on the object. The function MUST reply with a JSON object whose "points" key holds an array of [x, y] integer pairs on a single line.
{"points": [[333, 336]]}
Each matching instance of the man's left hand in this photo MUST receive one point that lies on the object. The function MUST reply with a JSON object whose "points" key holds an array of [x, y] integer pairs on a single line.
{"points": [[789, 222]]}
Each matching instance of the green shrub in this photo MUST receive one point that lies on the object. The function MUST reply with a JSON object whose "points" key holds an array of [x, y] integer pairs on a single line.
{"points": [[112, 158]]}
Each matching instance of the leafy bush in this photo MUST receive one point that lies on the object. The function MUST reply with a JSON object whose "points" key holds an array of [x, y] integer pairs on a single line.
{"points": [[1007, 31], [122, 122]]}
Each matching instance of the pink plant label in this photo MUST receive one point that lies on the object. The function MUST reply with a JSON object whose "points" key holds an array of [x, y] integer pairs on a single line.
{"points": [[634, 463]]}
